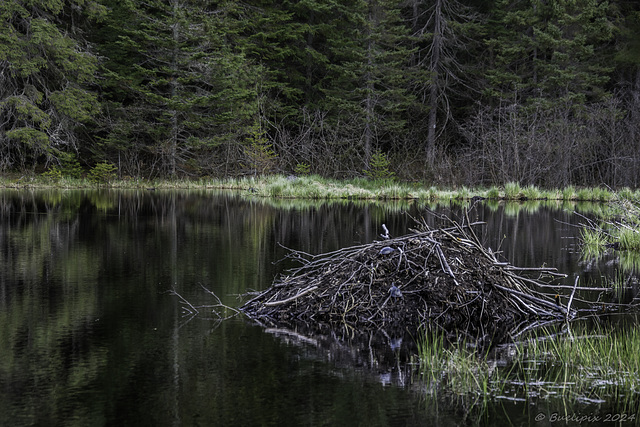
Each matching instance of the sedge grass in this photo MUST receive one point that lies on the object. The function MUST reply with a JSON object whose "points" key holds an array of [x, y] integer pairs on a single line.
{"points": [[512, 191], [493, 193], [593, 241], [578, 364], [318, 187], [629, 238]]}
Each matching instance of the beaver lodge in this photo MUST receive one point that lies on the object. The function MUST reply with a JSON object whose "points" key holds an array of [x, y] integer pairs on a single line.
{"points": [[439, 277]]}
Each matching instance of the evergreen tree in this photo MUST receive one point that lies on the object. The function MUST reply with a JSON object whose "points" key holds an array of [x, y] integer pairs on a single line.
{"points": [[549, 69], [179, 84], [47, 77], [369, 75], [549, 52], [442, 32]]}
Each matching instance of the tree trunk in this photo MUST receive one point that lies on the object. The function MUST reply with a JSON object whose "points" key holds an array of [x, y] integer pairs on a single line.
{"points": [[173, 137], [434, 67], [369, 103]]}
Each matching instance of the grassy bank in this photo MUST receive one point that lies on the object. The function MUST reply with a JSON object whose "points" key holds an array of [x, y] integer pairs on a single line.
{"points": [[319, 188]]}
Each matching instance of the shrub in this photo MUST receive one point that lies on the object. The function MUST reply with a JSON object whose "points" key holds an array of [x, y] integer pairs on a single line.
{"points": [[261, 157], [379, 167], [102, 173], [302, 169], [54, 174], [69, 166]]}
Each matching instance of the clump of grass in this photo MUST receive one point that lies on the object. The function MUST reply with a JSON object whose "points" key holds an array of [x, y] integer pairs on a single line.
{"points": [[452, 367], [463, 193], [568, 193], [593, 240], [628, 194], [602, 194], [393, 191], [493, 193], [601, 364], [629, 239], [619, 225], [531, 192], [578, 363], [512, 191]]}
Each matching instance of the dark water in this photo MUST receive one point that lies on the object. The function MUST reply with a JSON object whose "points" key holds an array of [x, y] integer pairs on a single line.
{"points": [[89, 334]]}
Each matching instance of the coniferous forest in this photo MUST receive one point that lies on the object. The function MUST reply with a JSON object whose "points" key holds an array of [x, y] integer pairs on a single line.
{"points": [[543, 92]]}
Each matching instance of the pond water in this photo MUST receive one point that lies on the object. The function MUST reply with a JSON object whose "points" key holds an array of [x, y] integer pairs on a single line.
{"points": [[90, 334]]}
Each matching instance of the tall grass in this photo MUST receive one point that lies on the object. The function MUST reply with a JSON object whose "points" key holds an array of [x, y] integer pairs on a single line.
{"points": [[577, 364], [512, 191], [629, 238], [593, 241], [317, 187]]}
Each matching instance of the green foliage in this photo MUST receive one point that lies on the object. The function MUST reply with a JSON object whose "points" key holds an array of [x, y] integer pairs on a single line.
{"points": [[259, 152], [302, 169], [102, 173], [47, 74], [69, 165], [493, 193], [29, 137], [550, 52], [379, 167], [54, 174], [180, 81], [512, 191], [69, 168]]}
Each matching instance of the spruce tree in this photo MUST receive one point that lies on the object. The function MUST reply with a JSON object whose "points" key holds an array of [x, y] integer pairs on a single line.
{"points": [[369, 77], [178, 83], [47, 78], [549, 52], [442, 36]]}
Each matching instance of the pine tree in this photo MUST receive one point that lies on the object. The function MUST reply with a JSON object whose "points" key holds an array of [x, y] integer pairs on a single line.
{"points": [[178, 85], [548, 52], [369, 75], [47, 77]]}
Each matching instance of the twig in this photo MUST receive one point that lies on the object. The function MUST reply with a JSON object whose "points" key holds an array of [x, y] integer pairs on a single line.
{"points": [[571, 298], [533, 298], [301, 293]]}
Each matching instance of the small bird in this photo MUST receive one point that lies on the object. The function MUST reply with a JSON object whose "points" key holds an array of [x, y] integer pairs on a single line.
{"points": [[395, 292], [386, 250]]}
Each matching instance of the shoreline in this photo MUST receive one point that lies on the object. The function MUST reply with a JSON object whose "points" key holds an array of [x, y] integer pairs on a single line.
{"points": [[318, 188]]}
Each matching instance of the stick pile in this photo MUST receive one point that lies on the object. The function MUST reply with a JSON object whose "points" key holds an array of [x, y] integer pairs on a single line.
{"points": [[442, 277]]}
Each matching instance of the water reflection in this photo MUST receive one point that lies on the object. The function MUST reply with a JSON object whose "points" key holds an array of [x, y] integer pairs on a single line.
{"points": [[90, 335]]}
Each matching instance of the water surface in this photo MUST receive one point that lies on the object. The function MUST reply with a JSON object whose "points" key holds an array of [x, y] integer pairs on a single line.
{"points": [[90, 335]]}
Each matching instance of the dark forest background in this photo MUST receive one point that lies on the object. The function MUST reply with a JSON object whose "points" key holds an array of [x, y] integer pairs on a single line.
{"points": [[456, 92]]}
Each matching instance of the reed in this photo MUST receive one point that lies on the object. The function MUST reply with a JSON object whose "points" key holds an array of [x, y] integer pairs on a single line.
{"points": [[629, 238], [576, 364], [532, 192], [593, 241], [454, 368], [568, 193]]}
